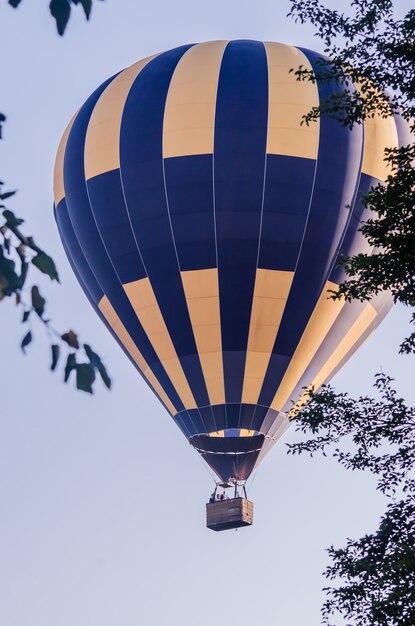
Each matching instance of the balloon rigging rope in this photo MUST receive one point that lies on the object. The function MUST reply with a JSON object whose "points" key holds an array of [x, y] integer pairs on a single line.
{"points": [[253, 477], [206, 466]]}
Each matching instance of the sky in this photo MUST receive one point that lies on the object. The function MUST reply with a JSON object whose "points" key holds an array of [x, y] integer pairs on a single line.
{"points": [[102, 500]]}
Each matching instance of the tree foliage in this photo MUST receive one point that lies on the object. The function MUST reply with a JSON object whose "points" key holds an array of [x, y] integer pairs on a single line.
{"points": [[381, 431], [61, 10], [372, 578], [372, 48], [379, 572], [19, 253], [391, 231], [377, 52]]}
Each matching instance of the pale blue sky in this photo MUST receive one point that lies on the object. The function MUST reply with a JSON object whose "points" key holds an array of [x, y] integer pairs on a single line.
{"points": [[95, 526]]}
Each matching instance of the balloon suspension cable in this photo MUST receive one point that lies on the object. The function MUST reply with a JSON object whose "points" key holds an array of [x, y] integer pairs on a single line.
{"points": [[252, 478], [233, 483], [206, 467]]}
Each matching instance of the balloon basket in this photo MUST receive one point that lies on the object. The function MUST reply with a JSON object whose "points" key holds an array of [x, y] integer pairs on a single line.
{"points": [[231, 513]]}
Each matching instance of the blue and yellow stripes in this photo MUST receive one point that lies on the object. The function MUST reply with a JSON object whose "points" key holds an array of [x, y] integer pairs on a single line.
{"points": [[289, 101], [239, 166], [205, 224], [189, 116]]}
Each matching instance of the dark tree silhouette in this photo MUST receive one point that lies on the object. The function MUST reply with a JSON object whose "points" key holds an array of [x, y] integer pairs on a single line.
{"points": [[372, 578]]}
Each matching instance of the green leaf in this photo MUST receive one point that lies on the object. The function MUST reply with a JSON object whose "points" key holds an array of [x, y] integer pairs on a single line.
{"points": [[55, 349], [70, 366], [87, 5], [10, 281], [95, 361], [46, 264], [60, 10], [104, 375], [26, 340], [2, 119], [71, 339], [85, 377], [38, 302], [7, 194], [93, 357], [23, 273], [11, 219]]}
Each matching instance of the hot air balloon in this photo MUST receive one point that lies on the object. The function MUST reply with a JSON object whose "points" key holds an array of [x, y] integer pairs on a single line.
{"points": [[205, 225]]}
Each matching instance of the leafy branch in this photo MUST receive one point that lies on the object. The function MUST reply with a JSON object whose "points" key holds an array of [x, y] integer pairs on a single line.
{"points": [[375, 51], [380, 572], [61, 10], [382, 432], [373, 577], [391, 232], [18, 252], [355, 44]]}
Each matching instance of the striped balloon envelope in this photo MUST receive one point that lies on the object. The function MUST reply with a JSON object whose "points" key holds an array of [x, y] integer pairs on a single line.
{"points": [[205, 223]]}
